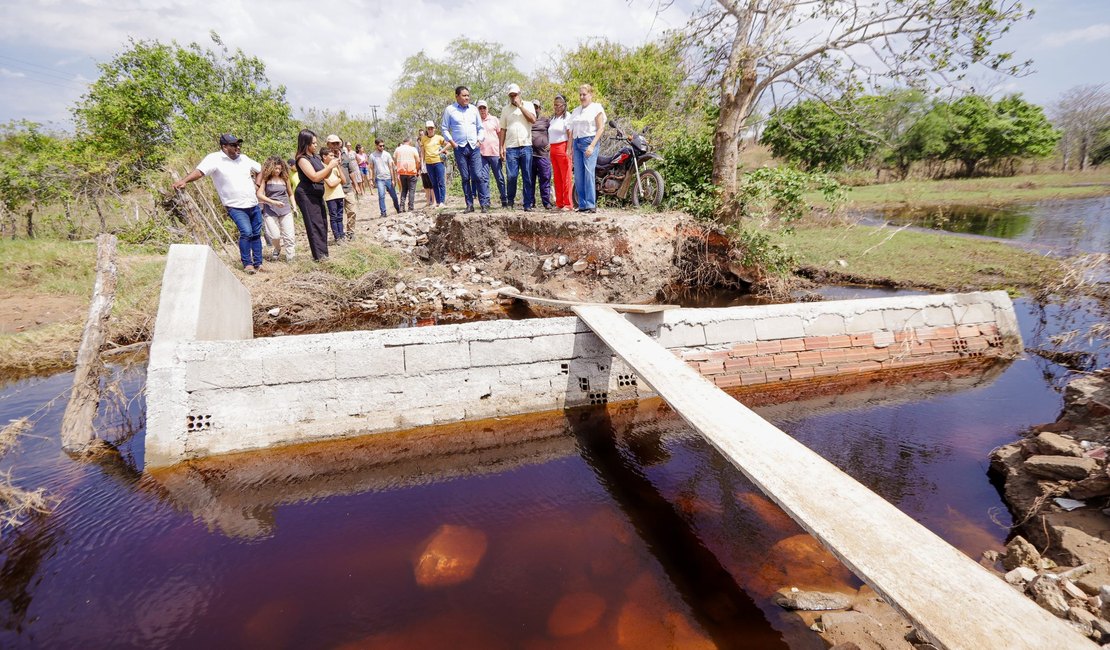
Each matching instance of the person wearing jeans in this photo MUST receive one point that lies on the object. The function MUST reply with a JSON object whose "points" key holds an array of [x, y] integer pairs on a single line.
{"points": [[516, 146], [463, 131], [491, 151], [431, 150], [232, 173], [384, 176], [584, 128], [407, 160]]}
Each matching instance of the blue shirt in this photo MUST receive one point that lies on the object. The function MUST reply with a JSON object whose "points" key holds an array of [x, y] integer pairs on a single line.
{"points": [[463, 125]]}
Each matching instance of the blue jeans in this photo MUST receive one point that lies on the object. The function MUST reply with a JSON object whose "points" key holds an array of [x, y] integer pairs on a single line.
{"points": [[493, 167], [335, 211], [437, 173], [518, 162], [541, 175], [249, 223], [585, 171], [386, 185], [473, 174]]}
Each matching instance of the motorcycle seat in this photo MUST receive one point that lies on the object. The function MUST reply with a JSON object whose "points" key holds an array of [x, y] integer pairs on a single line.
{"points": [[605, 161]]}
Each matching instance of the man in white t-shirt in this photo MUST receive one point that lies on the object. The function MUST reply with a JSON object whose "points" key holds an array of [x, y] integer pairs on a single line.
{"points": [[385, 175], [233, 175]]}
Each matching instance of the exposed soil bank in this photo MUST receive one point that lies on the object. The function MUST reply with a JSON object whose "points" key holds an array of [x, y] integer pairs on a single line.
{"points": [[1056, 483]]}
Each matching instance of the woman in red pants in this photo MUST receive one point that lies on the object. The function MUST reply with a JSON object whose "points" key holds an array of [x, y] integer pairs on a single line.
{"points": [[560, 161]]}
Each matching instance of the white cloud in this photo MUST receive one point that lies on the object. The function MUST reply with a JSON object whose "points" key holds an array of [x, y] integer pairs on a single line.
{"points": [[4, 72], [328, 56], [1087, 34]]}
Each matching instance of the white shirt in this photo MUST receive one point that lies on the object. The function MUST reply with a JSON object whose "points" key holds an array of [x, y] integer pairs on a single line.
{"points": [[581, 121], [557, 130], [232, 178]]}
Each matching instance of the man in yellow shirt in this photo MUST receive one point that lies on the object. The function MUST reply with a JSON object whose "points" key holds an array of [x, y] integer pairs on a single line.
{"points": [[431, 157]]}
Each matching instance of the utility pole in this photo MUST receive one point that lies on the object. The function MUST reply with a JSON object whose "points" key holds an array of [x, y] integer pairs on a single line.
{"points": [[374, 111]]}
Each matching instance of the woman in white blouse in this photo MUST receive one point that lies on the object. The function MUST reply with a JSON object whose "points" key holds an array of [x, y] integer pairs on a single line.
{"points": [[560, 161], [584, 130]]}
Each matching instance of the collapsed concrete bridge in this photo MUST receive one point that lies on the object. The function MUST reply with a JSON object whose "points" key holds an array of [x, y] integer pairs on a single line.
{"points": [[214, 389]]}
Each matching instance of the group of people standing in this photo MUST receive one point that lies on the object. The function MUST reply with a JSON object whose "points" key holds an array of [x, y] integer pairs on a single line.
{"points": [[538, 150], [534, 149]]}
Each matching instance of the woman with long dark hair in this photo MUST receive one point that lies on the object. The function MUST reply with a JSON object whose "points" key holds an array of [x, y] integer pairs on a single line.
{"points": [[310, 192], [560, 161]]}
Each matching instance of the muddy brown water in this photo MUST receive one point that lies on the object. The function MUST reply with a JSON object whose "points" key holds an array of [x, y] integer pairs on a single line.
{"points": [[604, 528]]}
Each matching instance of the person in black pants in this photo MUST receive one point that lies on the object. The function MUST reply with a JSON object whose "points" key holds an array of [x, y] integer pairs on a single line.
{"points": [[310, 193]]}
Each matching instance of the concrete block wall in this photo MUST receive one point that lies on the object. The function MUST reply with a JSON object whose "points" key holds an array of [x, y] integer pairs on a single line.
{"points": [[210, 397]]}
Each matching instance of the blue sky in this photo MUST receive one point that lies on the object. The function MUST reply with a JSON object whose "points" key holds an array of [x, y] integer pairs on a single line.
{"points": [[49, 48]]}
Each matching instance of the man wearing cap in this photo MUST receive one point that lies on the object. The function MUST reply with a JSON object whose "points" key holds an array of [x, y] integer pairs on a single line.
{"points": [[350, 199], [516, 146], [431, 150], [462, 128], [541, 156], [233, 175], [491, 149]]}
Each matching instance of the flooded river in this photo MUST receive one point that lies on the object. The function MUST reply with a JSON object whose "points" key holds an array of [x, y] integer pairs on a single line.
{"points": [[1064, 227], [593, 528]]}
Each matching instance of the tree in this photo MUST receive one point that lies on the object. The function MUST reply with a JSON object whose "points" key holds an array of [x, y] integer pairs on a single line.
{"points": [[979, 129], [427, 85], [33, 170], [1081, 113], [816, 137], [824, 48], [154, 98]]}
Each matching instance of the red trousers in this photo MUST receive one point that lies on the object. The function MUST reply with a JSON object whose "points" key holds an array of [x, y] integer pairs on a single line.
{"points": [[560, 174]]}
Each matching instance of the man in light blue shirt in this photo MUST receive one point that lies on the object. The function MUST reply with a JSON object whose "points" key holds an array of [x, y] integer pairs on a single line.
{"points": [[462, 128]]}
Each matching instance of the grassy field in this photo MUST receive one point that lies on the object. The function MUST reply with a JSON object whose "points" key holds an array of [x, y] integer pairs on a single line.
{"points": [[909, 258], [977, 191], [31, 269]]}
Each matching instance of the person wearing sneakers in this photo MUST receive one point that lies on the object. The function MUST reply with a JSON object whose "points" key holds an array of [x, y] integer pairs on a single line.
{"points": [[491, 151], [232, 173], [407, 160], [432, 146]]}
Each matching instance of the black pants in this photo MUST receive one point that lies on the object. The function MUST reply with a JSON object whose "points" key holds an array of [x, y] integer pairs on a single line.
{"points": [[315, 221], [408, 190]]}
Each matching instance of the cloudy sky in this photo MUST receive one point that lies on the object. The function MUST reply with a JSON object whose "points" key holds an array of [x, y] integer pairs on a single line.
{"points": [[49, 48]]}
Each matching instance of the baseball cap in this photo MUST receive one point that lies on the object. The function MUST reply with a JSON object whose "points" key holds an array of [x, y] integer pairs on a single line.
{"points": [[514, 89], [482, 104], [334, 138], [430, 123], [227, 138], [536, 102]]}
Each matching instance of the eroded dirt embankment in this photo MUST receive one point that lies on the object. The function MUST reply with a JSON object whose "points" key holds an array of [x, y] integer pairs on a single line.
{"points": [[455, 263]]}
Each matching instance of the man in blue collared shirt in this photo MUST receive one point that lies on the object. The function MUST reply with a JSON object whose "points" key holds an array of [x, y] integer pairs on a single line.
{"points": [[462, 128]]}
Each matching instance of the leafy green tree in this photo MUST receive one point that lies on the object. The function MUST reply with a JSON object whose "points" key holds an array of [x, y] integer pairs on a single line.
{"points": [[426, 85], [34, 169], [155, 98], [1021, 130], [814, 136], [980, 129]]}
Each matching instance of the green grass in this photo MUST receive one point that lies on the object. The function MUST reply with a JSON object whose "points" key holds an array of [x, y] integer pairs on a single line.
{"points": [[978, 191], [47, 266], [356, 259], [908, 258]]}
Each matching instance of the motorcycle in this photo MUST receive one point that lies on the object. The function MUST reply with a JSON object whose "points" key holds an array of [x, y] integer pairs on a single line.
{"points": [[625, 175]]}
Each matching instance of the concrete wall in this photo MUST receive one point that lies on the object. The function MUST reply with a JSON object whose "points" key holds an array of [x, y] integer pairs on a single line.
{"points": [[212, 396]]}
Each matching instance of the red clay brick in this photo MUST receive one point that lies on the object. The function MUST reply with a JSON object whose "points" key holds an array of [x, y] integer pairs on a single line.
{"points": [[943, 345], [742, 350], [901, 336], [711, 367], [793, 345], [768, 347], [718, 355], [833, 356], [988, 329], [816, 342], [801, 373], [870, 366], [857, 355], [843, 341], [736, 364], [977, 344], [812, 358], [761, 362], [727, 381], [786, 360], [751, 378], [781, 374], [921, 348], [927, 333], [859, 340], [944, 332], [967, 331], [848, 368], [824, 371], [695, 355]]}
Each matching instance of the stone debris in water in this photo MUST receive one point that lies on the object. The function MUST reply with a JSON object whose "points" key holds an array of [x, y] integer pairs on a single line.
{"points": [[1019, 552], [800, 561], [451, 556], [811, 601], [575, 613], [1060, 467]]}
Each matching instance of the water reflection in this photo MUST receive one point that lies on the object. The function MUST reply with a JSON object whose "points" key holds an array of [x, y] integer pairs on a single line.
{"points": [[1065, 227]]}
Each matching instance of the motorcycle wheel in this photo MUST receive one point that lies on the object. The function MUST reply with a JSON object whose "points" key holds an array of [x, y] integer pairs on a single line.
{"points": [[651, 184]]}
